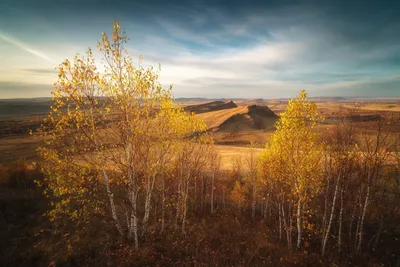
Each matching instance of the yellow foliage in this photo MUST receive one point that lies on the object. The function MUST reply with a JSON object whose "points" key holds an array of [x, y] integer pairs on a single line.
{"points": [[117, 127], [293, 155]]}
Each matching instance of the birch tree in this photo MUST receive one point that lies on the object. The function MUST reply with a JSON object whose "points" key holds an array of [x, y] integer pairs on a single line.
{"points": [[110, 136], [191, 160], [296, 146], [340, 159], [375, 149]]}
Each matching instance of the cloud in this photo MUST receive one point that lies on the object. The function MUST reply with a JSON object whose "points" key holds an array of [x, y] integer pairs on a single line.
{"points": [[40, 70], [308, 52], [247, 88], [181, 33], [24, 47]]}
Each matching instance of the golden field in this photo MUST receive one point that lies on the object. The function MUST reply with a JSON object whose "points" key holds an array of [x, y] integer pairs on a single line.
{"points": [[232, 128]]}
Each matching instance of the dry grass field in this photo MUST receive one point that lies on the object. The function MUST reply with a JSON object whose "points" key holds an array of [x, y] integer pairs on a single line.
{"points": [[230, 155], [231, 123], [18, 146]]}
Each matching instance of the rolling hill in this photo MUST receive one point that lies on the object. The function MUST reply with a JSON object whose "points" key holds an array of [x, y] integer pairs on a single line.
{"points": [[228, 117]]}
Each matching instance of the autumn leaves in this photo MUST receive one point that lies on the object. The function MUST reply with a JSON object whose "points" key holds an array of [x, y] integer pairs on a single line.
{"points": [[113, 138]]}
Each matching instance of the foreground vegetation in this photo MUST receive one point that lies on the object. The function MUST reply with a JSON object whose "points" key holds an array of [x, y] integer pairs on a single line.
{"points": [[127, 178]]}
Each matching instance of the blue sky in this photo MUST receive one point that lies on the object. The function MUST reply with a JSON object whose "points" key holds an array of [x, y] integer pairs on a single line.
{"points": [[213, 49]]}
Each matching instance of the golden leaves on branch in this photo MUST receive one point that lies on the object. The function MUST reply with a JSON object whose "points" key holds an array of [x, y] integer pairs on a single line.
{"points": [[114, 121]]}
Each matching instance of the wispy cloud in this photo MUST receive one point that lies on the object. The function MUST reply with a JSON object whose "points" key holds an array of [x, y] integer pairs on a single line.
{"points": [[40, 70], [24, 46]]}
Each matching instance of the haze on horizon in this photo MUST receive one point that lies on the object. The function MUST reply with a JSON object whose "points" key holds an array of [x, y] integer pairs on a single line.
{"points": [[213, 49]]}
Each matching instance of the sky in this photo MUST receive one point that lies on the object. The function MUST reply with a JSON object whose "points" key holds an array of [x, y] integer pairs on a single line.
{"points": [[213, 49]]}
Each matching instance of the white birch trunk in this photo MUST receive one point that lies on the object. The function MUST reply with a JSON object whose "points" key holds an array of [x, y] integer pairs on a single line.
{"points": [[163, 206], [325, 209], [147, 206], [290, 224], [299, 226], [358, 221], [353, 214], [285, 225], [340, 222], [133, 231], [212, 192], [360, 234], [280, 221], [328, 228], [112, 203]]}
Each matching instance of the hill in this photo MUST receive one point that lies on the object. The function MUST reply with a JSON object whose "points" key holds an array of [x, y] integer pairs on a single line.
{"points": [[234, 119], [240, 125], [254, 118], [210, 106]]}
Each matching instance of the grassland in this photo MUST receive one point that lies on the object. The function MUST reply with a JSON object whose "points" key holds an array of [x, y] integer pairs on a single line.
{"points": [[231, 135]]}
